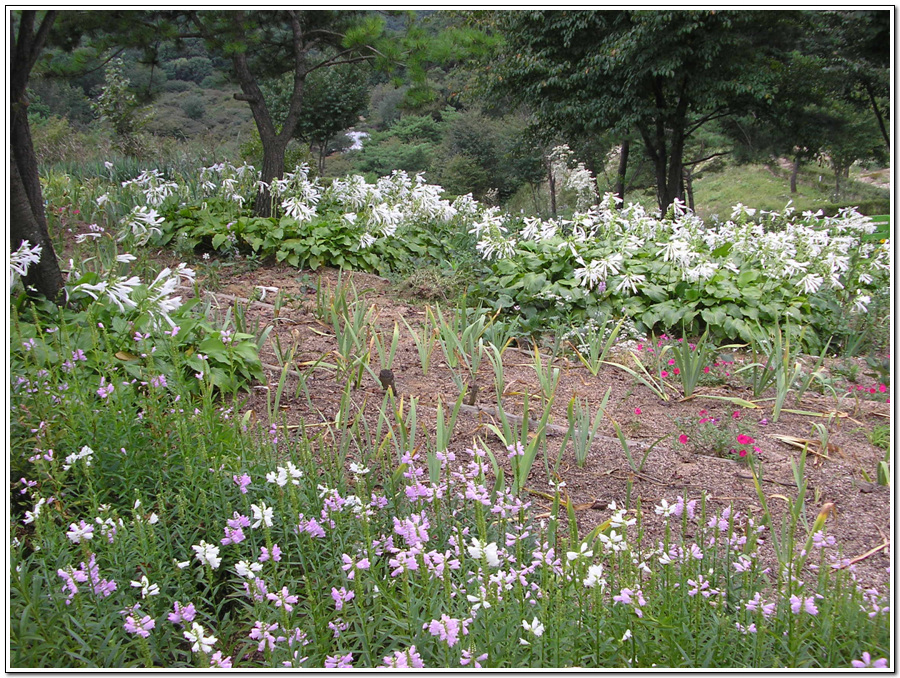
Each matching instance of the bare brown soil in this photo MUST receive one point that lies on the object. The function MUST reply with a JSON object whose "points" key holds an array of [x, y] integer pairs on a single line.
{"points": [[861, 520]]}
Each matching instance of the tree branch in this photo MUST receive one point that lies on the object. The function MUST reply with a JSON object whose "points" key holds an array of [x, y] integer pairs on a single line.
{"points": [[709, 157]]}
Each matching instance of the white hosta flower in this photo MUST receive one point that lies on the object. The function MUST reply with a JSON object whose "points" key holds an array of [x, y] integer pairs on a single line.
{"points": [[22, 259], [703, 271], [810, 283], [299, 210], [591, 274], [366, 240], [861, 303], [630, 281]]}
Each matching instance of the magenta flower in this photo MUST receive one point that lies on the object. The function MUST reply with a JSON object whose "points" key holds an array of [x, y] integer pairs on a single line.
{"points": [[637, 410], [744, 439], [683, 439]]}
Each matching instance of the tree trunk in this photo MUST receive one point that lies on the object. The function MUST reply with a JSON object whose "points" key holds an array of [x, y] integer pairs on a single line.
{"points": [[884, 133], [44, 277], [552, 183], [272, 168], [794, 172], [27, 220], [623, 166], [274, 142], [689, 186]]}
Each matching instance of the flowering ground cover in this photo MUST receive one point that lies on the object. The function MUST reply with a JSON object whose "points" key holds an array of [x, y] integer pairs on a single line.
{"points": [[220, 481]]}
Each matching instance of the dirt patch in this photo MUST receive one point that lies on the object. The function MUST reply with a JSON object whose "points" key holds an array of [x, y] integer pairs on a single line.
{"points": [[861, 520]]}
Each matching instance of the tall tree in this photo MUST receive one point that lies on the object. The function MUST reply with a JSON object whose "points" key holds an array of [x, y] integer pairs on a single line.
{"points": [[269, 43], [259, 45], [659, 74], [855, 46], [29, 31]]}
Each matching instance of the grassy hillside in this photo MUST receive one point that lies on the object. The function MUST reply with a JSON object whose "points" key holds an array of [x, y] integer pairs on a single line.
{"points": [[768, 187]]}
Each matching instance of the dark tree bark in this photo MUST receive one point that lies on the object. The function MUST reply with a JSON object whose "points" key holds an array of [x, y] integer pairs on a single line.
{"points": [[27, 218], [623, 166], [794, 172], [274, 142], [878, 115]]}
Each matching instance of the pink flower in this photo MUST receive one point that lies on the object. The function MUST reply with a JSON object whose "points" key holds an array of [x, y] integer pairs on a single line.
{"points": [[735, 415], [339, 662], [683, 439], [664, 374], [242, 482], [341, 596], [744, 439], [882, 388], [706, 370], [676, 371], [637, 410], [182, 614], [671, 361], [868, 663]]}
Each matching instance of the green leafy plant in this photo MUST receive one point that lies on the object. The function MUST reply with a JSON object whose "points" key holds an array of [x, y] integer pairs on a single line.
{"points": [[582, 430]]}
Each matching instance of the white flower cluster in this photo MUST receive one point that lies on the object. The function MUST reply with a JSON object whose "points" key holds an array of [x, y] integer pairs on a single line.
{"points": [[379, 209], [155, 299], [155, 187], [809, 252], [21, 260]]}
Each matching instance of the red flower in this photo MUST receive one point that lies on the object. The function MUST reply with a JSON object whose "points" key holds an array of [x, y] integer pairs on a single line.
{"points": [[742, 453], [706, 370], [676, 371]]}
